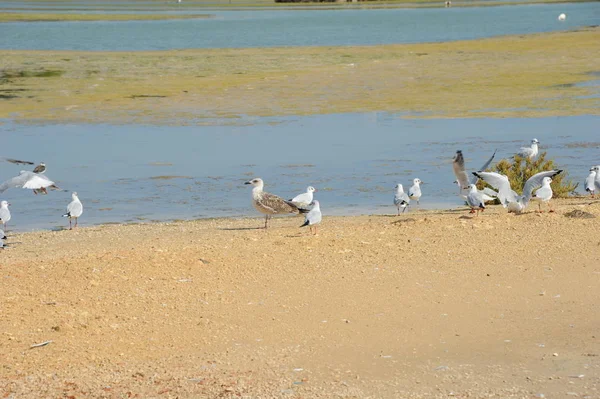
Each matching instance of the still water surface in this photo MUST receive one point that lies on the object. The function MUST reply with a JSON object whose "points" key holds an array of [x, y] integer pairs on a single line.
{"points": [[130, 173], [268, 28]]}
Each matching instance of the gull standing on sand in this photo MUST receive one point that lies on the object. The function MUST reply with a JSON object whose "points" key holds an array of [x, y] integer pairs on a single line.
{"points": [[529, 152], [597, 181], [401, 199], [508, 198], [269, 204], [29, 180], [305, 199], [544, 194], [313, 217], [463, 180], [4, 213], [590, 181], [74, 210], [414, 192], [475, 199]]}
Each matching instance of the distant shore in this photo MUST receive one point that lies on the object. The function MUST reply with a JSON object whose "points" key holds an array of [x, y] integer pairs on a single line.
{"points": [[57, 17]]}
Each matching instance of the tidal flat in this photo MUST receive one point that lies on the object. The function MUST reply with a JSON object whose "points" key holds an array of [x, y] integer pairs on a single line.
{"points": [[537, 75]]}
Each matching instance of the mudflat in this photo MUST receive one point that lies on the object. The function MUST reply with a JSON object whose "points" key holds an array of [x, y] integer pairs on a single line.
{"points": [[515, 76], [427, 304]]}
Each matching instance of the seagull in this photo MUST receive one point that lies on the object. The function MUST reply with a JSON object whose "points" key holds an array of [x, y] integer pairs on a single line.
{"points": [[597, 181], [544, 194], [304, 199], [562, 17], [29, 180], [529, 152], [590, 181], [475, 199], [15, 161], [74, 210], [269, 204], [462, 178], [401, 199], [415, 191], [4, 212], [313, 217], [508, 198], [41, 168]]}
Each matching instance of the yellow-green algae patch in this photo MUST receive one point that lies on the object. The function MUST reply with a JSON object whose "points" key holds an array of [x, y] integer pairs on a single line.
{"points": [[530, 75], [55, 17]]}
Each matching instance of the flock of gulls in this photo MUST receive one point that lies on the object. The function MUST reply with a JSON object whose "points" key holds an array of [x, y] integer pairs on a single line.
{"points": [[39, 183], [536, 187]]}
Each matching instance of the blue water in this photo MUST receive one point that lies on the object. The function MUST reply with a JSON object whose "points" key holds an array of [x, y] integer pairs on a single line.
{"points": [[354, 160], [268, 28]]}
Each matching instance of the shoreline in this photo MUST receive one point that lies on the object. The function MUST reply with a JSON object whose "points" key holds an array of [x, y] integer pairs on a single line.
{"points": [[427, 306]]}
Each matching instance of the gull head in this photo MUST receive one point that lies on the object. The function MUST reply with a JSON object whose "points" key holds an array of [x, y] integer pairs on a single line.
{"points": [[256, 182], [417, 181], [74, 195], [4, 204], [546, 180], [399, 187], [535, 141], [310, 189], [472, 188]]}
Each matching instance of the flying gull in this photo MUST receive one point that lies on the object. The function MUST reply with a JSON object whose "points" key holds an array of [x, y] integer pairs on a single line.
{"points": [[29, 180], [463, 180], [41, 168], [15, 161], [269, 204], [508, 198]]}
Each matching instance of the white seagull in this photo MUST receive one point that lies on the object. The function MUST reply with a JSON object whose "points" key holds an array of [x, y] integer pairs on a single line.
{"points": [[74, 210], [475, 199], [269, 204], [4, 212], [304, 199], [562, 17], [462, 178], [313, 217], [597, 181], [508, 198], [29, 180], [414, 192], [544, 194], [590, 181], [401, 199], [529, 152]]}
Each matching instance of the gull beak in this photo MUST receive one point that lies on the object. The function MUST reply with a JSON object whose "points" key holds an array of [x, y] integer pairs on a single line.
{"points": [[316, 190], [248, 182]]}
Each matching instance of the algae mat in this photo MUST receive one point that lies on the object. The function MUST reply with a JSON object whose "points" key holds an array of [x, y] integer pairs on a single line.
{"points": [[514, 76]]}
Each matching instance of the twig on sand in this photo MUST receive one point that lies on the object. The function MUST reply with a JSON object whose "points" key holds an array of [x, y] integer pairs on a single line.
{"points": [[39, 345]]}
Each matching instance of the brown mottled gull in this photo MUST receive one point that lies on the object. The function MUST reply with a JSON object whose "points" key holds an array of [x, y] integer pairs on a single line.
{"points": [[269, 204]]}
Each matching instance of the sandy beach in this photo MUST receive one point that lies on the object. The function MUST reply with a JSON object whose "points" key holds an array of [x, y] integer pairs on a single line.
{"points": [[428, 304]]}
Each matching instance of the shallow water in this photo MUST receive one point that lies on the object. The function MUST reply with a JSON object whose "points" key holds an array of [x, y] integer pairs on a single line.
{"points": [[134, 173], [268, 28]]}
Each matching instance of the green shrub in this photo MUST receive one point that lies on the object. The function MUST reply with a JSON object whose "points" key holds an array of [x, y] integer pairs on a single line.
{"points": [[522, 169]]}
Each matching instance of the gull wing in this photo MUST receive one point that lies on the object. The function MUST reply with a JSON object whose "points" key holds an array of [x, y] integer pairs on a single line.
{"points": [[500, 183], [15, 182], [485, 166], [16, 161], [536, 181], [458, 166]]}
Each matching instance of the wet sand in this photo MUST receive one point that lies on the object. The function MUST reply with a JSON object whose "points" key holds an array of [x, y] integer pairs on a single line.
{"points": [[428, 304]]}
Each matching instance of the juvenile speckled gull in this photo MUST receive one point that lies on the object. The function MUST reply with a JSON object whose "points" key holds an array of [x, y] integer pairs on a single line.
{"points": [[4, 213], [74, 209], [590, 182], [475, 199], [401, 199], [463, 180], [313, 217], [510, 199], [41, 168], [304, 199], [529, 152], [269, 204], [415, 191], [29, 180]]}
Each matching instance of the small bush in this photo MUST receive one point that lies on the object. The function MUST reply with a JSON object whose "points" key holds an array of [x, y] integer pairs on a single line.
{"points": [[523, 168]]}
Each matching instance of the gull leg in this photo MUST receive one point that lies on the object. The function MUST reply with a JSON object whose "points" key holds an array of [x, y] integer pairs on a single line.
{"points": [[266, 221], [70, 227], [398, 210], [550, 207], [315, 230], [539, 207], [76, 219]]}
